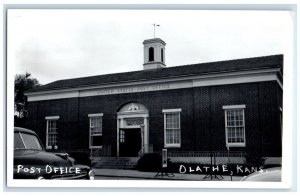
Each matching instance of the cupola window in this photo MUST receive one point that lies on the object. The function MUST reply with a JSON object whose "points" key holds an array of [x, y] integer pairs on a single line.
{"points": [[151, 54]]}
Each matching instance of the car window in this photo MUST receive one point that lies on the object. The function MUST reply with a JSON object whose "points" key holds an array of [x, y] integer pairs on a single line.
{"points": [[18, 141], [26, 141], [31, 141]]}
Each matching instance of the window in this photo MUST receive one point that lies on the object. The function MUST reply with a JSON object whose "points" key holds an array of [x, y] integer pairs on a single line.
{"points": [[52, 134], [26, 141], [151, 54], [235, 125], [18, 143], [162, 55], [122, 136], [95, 130], [172, 128]]}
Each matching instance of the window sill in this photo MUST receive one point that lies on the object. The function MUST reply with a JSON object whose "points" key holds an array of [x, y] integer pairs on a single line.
{"points": [[236, 145], [50, 148], [172, 146], [95, 147]]}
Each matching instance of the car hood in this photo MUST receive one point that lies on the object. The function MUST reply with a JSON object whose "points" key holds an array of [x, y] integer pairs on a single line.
{"points": [[40, 158]]}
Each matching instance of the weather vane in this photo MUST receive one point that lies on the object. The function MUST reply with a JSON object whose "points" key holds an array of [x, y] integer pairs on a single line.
{"points": [[155, 25]]}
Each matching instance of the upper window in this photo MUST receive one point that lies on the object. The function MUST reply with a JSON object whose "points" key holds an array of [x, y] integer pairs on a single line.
{"points": [[52, 134], [172, 128], [151, 54], [95, 130], [162, 55], [235, 125]]}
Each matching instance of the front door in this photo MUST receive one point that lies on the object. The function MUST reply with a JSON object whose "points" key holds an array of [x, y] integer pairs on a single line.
{"points": [[130, 142]]}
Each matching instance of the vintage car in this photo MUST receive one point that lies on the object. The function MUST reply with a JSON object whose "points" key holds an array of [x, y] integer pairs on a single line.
{"points": [[266, 175], [270, 172], [31, 161]]}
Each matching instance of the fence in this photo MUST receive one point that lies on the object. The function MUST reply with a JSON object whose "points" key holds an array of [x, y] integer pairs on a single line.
{"points": [[208, 157], [105, 151], [200, 157]]}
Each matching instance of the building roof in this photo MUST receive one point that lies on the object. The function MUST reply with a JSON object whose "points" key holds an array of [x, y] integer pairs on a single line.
{"points": [[265, 62], [154, 40]]}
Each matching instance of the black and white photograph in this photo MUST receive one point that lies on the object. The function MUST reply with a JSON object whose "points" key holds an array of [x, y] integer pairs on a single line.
{"points": [[154, 96]]}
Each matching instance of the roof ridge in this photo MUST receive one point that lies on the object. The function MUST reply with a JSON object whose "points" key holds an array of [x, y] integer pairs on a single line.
{"points": [[175, 71], [173, 67]]}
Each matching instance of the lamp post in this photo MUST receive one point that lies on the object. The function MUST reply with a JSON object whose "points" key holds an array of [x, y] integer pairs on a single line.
{"points": [[228, 149]]}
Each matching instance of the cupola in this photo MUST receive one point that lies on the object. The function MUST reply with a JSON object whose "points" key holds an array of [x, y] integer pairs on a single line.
{"points": [[154, 53]]}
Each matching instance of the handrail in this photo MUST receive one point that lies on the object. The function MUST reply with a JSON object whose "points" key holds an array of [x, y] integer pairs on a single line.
{"points": [[141, 152]]}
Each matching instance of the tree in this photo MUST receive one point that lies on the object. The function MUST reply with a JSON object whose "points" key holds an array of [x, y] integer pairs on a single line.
{"points": [[23, 83]]}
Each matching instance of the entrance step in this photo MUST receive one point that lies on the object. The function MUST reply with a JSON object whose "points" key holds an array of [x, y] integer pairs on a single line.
{"points": [[115, 162]]}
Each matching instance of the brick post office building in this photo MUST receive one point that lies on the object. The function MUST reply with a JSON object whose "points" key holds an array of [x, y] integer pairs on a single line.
{"points": [[191, 108]]}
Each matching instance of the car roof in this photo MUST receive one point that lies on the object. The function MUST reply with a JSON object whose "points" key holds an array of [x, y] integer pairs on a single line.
{"points": [[23, 130]]}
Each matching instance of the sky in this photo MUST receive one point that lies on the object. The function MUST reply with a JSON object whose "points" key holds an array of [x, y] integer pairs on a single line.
{"points": [[63, 44]]}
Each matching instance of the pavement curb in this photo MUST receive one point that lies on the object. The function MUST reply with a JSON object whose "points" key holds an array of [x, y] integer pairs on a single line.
{"points": [[132, 174], [150, 178]]}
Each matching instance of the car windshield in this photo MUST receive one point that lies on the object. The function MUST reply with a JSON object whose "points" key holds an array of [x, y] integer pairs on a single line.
{"points": [[26, 141]]}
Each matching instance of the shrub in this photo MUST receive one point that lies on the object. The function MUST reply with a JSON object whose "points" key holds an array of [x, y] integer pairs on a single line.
{"points": [[81, 158], [149, 162], [255, 160]]}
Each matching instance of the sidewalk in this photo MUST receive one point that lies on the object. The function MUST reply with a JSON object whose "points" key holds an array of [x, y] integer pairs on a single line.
{"points": [[115, 173]]}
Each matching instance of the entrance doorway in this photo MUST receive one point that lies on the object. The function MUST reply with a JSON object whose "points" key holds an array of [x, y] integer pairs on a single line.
{"points": [[130, 142], [132, 130]]}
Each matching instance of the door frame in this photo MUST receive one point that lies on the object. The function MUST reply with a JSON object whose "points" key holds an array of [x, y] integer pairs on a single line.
{"points": [[121, 124], [126, 131]]}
